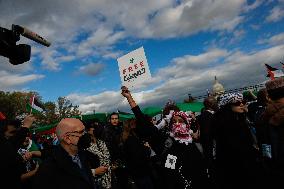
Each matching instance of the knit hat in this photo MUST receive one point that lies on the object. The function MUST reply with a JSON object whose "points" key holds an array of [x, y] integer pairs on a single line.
{"points": [[275, 88], [230, 98]]}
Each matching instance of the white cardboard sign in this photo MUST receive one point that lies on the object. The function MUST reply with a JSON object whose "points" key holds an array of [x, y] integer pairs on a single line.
{"points": [[133, 68]]}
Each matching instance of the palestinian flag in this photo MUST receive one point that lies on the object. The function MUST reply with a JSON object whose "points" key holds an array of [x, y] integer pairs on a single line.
{"points": [[273, 72], [2, 116], [34, 106]]}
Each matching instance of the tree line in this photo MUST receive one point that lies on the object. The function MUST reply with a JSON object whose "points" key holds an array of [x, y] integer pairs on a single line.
{"points": [[13, 106]]}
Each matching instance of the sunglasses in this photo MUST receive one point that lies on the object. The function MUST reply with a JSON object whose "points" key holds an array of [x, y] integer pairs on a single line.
{"points": [[239, 103]]}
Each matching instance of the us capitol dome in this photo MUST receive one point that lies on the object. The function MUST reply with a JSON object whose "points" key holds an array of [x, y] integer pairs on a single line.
{"points": [[217, 88]]}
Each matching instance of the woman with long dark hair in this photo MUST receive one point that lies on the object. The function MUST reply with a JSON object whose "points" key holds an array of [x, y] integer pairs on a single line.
{"points": [[236, 145], [99, 148]]}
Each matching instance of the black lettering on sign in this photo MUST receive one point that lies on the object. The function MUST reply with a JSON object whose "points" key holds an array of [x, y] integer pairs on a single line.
{"points": [[134, 75]]}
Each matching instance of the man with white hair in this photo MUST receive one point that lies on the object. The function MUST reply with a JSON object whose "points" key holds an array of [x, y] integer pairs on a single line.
{"points": [[67, 167]]}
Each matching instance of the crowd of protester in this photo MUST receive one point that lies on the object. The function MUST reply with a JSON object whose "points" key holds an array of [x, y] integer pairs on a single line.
{"points": [[230, 144]]}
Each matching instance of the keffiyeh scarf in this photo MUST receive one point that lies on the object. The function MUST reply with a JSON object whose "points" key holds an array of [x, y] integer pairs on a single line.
{"points": [[230, 98], [181, 132]]}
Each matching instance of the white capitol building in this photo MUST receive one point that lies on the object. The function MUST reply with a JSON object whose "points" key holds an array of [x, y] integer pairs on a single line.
{"points": [[217, 88]]}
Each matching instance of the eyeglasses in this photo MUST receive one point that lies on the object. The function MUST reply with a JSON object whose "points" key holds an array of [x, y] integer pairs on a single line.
{"points": [[82, 132], [239, 103]]}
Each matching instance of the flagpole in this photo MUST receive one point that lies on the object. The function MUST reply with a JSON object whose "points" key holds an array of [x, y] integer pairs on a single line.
{"points": [[32, 104]]}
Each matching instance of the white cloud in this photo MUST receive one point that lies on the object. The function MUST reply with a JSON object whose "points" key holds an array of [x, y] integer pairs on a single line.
{"points": [[10, 81], [88, 29], [99, 43], [188, 64], [277, 39], [105, 23], [191, 74], [276, 14], [237, 36], [92, 69], [254, 5], [48, 60], [5, 65], [97, 102], [274, 40], [189, 17], [52, 57]]}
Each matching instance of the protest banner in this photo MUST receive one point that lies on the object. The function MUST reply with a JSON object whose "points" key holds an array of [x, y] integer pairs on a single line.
{"points": [[134, 68]]}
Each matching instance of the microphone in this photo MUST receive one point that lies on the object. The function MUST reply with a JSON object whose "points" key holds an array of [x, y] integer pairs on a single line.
{"points": [[31, 35]]}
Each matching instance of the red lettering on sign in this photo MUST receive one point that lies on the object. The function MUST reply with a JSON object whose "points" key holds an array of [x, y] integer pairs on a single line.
{"points": [[124, 71], [135, 66], [141, 64], [130, 69]]}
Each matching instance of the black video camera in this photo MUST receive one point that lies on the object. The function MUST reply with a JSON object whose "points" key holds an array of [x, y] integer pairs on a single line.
{"points": [[21, 53]]}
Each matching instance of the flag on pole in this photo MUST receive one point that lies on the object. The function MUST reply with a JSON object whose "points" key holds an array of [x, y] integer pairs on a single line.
{"points": [[34, 106], [273, 72], [270, 71]]}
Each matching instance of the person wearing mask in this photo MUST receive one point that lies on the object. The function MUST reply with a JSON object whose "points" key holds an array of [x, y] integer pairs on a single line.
{"points": [[183, 162], [12, 135], [67, 167]]}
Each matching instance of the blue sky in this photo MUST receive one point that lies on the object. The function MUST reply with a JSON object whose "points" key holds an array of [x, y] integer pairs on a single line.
{"points": [[186, 42]]}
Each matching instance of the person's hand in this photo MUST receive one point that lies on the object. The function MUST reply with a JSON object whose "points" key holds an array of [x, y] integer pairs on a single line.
{"points": [[27, 156], [36, 153], [195, 135], [114, 167], [101, 170], [192, 115], [35, 169], [146, 144], [169, 116], [125, 92], [28, 121]]}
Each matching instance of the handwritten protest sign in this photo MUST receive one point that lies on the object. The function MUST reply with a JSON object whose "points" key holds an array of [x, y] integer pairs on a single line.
{"points": [[134, 68]]}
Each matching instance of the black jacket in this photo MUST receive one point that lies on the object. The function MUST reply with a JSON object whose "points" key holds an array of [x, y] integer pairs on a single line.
{"points": [[236, 156], [137, 156], [111, 136], [189, 158], [10, 160], [147, 131], [59, 171], [206, 133]]}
